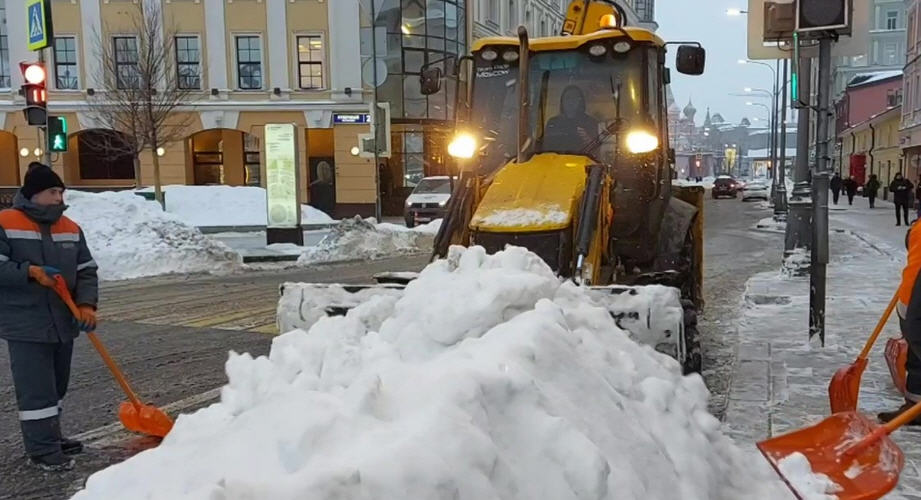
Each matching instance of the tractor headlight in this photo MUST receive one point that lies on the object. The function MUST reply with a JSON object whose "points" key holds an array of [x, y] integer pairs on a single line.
{"points": [[462, 146], [641, 141]]}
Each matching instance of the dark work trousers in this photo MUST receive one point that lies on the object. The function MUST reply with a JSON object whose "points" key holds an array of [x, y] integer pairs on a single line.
{"points": [[900, 209], [41, 372], [834, 196], [873, 203], [912, 364]]}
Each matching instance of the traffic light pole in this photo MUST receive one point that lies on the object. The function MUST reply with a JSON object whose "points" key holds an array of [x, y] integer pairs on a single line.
{"points": [[43, 143], [780, 194], [799, 231], [820, 200]]}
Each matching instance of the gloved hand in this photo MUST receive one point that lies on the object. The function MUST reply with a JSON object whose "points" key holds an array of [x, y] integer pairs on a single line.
{"points": [[44, 275], [87, 320]]}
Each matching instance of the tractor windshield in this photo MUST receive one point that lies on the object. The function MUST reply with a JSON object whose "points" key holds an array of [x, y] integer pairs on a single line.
{"points": [[576, 99]]}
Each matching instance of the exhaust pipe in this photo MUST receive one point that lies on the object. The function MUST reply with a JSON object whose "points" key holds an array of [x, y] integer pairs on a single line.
{"points": [[524, 108]]}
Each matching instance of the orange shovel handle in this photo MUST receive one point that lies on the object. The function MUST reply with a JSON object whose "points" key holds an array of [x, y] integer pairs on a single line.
{"points": [[879, 327], [61, 288], [884, 430]]}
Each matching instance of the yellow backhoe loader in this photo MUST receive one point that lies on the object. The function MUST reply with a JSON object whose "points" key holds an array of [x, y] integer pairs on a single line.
{"points": [[562, 147]]}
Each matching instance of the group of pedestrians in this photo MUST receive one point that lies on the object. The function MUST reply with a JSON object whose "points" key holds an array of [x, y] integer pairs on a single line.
{"points": [[904, 193]]}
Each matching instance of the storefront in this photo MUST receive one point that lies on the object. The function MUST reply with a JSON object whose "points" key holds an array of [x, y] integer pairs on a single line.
{"points": [[416, 33]]}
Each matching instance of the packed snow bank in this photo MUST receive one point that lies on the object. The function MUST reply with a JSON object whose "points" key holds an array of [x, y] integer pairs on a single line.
{"points": [[217, 206], [769, 224], [489, 378], [364, 239], [706, 183], [517, 217], [131, 237], [811, 486]]}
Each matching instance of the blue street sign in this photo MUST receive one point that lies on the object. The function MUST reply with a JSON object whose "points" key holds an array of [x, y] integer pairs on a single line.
{"points": [[350, 118], [38, 24]]}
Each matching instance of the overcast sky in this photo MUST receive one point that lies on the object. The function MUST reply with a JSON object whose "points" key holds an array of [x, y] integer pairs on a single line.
{"points": [[724, 37]]}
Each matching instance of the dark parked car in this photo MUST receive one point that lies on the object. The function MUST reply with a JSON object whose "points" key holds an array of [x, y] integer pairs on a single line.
{"points": [[725, 185]]}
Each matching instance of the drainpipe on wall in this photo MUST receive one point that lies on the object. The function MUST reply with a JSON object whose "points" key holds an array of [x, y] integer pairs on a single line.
{"points": [[872, 147]]}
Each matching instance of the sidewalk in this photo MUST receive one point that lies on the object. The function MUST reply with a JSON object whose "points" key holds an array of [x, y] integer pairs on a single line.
{"points": [[780, 379]]}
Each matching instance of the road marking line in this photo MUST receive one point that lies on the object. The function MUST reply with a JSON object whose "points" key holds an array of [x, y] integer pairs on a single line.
{"points": [[111, 434]]}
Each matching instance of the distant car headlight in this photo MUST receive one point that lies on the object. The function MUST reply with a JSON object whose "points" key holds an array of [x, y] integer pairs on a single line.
{"points": [[462, 146], [442, 203], [641, 141]]}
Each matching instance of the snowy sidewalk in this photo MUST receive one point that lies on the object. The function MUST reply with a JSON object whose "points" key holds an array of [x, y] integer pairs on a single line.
{"points": [[780, 380]]}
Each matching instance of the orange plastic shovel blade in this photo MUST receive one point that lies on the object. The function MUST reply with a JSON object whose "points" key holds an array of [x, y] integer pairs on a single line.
{"points": [[844, 387], [896, 356], [145, 419], [869, 474]]}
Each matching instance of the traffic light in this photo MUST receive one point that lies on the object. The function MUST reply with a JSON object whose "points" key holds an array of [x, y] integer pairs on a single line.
{"points": [[57, 134], [35, 92], [822, 15]]}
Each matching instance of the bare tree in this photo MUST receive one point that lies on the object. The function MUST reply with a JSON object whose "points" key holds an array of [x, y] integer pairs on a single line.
{"points": [[143, 98]]}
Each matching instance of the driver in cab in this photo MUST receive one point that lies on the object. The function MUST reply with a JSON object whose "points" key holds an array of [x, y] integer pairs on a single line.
{"points": [[573, 129]]}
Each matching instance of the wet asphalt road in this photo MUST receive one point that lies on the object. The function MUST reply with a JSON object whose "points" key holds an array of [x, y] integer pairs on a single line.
{"points": [[171, 336]]}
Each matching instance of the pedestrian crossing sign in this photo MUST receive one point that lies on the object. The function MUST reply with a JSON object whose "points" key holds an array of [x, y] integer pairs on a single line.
{"points": [[38, 24]]}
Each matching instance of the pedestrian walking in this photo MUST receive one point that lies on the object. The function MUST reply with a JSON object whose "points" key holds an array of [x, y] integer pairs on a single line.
{"points": [[835, 185], [850, 188], [37, 244], [909, 312], [872, 189], [918, 200], [902, 189]]}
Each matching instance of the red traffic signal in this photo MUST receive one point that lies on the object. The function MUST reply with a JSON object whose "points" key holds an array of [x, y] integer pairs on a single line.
{"points": [[33, 73], [34, 90]]}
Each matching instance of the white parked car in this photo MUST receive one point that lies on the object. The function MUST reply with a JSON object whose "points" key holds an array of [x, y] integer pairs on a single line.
{"points": [[756, 189], [428, 201]]}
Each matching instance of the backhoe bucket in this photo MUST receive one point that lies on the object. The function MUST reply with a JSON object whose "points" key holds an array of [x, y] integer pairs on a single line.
{"points": [[144, 419], [867, 474], [844, 387], [896, 356]]}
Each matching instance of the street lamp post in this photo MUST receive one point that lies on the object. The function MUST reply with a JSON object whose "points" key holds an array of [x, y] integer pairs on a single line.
{"points": [[771, 130], [773, 123]]}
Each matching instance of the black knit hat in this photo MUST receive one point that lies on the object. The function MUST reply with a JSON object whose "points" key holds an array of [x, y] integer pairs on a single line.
{"points": [[39, 177]]}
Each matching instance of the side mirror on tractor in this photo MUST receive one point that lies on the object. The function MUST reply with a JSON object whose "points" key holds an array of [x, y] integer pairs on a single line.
{"points": [[430, 80], [691, 59]]}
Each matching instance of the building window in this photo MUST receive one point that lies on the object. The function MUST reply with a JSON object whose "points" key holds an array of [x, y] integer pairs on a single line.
{"points": [[65, 63], [890, 53], [493, 12], [126, 62], [249, 62], [4, 49], [310, 56], [512, 15], [188, 63], [892, 19]]}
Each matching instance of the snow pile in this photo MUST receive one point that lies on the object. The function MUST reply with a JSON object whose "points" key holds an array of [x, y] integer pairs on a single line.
{"points": [[489, 378], [131, 237], [796, 468], [770, 224], [217, 206], [706, 182], [796, 263], [517, 217], [364, 239]]}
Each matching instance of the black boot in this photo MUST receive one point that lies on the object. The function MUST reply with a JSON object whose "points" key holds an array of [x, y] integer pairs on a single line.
{"points": [[886, 416], [71, 446], [54, 462]]}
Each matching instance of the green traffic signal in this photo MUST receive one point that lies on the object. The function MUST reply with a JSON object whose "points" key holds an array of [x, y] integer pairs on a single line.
{"points": [[57, 134]]}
